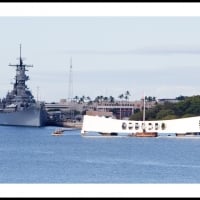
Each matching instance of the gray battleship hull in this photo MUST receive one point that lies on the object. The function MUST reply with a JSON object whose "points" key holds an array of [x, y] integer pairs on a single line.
{"points": [[31, 117]]}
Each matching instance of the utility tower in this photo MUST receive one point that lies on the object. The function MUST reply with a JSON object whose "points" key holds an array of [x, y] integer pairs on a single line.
{"points": [[70, 86]]}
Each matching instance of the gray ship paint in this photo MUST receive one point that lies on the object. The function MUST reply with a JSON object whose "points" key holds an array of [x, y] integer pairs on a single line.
{"points": [[19, 107]]}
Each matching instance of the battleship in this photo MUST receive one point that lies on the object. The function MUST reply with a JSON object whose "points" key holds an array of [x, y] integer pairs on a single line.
{"points": [[19, 108]]}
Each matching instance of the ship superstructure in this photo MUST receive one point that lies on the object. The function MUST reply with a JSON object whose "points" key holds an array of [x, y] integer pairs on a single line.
{"points": [[19, 106]]}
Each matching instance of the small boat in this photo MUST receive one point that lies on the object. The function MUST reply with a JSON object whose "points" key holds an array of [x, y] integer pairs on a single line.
{"points": [[108, 134], [58, 132], [188, 134], [146, 134]]}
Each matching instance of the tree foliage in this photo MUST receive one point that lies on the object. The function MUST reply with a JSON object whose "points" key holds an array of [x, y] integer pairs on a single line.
{"points": [[186, 107]]}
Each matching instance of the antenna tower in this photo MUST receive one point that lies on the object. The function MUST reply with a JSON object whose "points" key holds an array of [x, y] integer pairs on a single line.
{"points": [[70, 86]]}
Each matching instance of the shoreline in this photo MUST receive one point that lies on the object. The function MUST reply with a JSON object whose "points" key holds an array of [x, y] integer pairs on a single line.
{"points": [[66, 124]]}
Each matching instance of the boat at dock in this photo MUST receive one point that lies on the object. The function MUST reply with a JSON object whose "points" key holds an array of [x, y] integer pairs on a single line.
{"points": [[146, 134], [193, 134]]}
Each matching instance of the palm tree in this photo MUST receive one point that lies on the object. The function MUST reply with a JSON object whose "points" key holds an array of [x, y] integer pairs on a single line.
{"points": [[105, 99], [101, 98], [126, 98], [76, 98], [121, 96], [149, 99], [111, 99], [88, 98], [96, 99], [127, 94], [82, 99], [89, 101]]}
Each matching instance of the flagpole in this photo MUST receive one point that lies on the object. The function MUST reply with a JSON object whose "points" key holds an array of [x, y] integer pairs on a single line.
{"points": [[144, 109]]}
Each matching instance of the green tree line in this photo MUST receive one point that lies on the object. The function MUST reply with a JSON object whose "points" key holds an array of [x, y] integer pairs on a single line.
{"points": [[186, 107]]}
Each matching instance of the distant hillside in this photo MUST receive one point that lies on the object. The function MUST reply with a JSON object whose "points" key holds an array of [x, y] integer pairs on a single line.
{"points": [[187, 107]]}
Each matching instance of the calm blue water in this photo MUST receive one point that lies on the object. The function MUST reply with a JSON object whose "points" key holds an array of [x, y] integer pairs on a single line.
{"points": [[33, 155]]}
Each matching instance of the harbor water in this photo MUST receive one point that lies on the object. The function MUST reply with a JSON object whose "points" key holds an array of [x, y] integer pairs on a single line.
{"points": [[34, 155]]}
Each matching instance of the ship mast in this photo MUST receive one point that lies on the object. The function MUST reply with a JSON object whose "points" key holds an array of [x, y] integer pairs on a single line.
{"points": [[20, 90], [20, 57], [21, 68]]}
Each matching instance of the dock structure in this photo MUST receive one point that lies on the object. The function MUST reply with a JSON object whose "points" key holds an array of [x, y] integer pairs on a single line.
{"points": [[75, 125]]}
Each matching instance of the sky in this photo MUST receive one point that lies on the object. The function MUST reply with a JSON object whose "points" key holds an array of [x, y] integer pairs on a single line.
{"points": [[152, 55]]}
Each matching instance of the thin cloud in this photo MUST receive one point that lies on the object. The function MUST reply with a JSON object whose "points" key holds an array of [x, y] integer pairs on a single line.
{"points": [[169, 50], [140, 51]]}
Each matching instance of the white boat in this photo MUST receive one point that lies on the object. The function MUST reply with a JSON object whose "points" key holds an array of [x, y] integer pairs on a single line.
{"points": [[103, 125]]}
